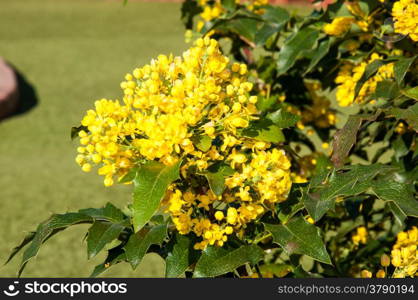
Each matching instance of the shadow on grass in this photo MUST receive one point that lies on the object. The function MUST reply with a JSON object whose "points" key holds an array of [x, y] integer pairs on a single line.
{"points": [[27, 96]]}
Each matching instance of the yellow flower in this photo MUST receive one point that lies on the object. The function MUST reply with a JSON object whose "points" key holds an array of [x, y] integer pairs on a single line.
{"points": [[405, 15], [338, 26]]}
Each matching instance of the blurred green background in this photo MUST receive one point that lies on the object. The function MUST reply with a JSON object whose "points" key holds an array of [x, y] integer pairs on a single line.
{"points": [[73, 52]]}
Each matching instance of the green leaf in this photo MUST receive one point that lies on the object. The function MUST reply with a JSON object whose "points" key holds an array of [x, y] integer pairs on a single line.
{"points": [[265, 131], [410, 115], [351, 181], [319, 53], [108, 213], [202, 142], [275, 15], [265, 33], [181, 257], [130, 176], [399, 194], [114, 256], [217, 261], [386, 90], [230, 5], [411, 93], [100, 234], [295, 47], [283, 119], [401, 67], [300, 237], [26, 240], [50, 227], [398, 214], [139, 243], [244, 26], [216, 177], [346, 137], [150, 186]]}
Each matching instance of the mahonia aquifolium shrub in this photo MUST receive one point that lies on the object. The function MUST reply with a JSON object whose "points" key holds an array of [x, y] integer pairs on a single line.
{"points": [[275, 146]]}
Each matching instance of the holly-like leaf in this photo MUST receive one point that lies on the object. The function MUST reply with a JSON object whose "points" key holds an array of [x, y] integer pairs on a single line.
{"points": [[49, 228], [150, 186], [202, 142], [294, 48], [410, 115], [350, 181], [129, 176], [346, 137], [399, 194], [411, 93], [114, 256], [300, 237], [283, 119], [100, 234], [181, 257], [216, 177], [265, 131], [319, 53], [139, 243], [108, 213], [401, 67], [386, 90], [217, 261]]}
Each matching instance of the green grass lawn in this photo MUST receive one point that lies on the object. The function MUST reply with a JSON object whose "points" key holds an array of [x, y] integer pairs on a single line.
{"points": [[73, 52]]}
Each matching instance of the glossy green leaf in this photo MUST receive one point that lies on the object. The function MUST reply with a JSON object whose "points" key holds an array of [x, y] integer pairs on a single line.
{"points": [[150, 186], [351, 181], [319, 53], [181, 257], [410, 115], [264, 33], [114, 256], [139, 243], [26, 240], [216, 177], [264, 131], [202, 142], [283, 119], [295, 47], [50, 227], [108, 213], [100, 234], [275, 15], [217, 261], [398, 193], [401, 67], [130, 176], [386, 90], [411, 93], [346, 137], [300, 237]]}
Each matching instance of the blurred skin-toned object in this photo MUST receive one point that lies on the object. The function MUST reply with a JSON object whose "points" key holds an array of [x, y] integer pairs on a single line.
{"points": [[8, 90]]}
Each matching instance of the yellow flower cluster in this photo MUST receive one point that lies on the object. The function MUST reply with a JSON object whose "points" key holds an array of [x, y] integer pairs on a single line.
{"points": [[405, 14], [338, 26], [260, 179], [191, 108], [350, 74], [360, 237], [165, 104], [405, 255]]}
